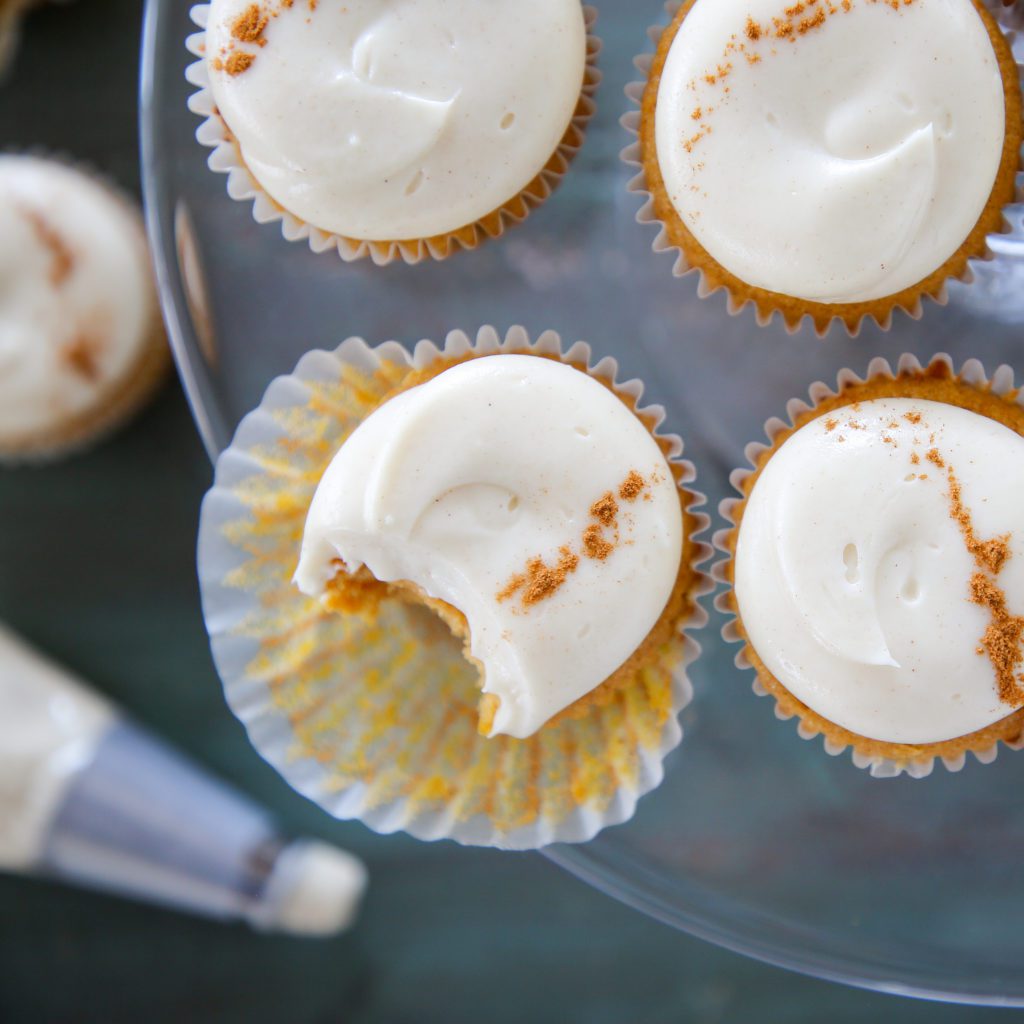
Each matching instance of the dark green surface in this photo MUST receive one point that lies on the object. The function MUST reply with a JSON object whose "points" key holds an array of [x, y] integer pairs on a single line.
{"points": [[96, 565]]}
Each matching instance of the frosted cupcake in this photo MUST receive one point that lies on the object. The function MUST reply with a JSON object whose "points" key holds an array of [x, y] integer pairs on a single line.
{"points": [[878, 567], [448, 591], [548, 535], [81, 340], [394, 131], [827, 159]]}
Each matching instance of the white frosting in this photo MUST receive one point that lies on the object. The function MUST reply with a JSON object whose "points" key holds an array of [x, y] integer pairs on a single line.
{"points": [[457, 483], [77, 301], [852, 577], [50, 726], [399, 119], [845, 164]]}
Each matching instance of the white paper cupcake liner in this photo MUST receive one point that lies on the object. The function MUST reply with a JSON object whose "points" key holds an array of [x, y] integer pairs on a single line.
{"points": [[1001, 383], [122, 398], [376, 720], [242, 186], [735, 305]]}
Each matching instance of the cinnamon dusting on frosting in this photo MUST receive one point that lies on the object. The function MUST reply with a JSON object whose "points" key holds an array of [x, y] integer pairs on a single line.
{"points": [[62, 259], [1002, 641], [599, 539], [81, 356], [541, 580], [632, 487], [991, 555], [249, 25], [794, 22]]}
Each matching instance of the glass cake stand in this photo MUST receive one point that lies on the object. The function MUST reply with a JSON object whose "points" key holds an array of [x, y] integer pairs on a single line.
{"points": [[757, 840]]}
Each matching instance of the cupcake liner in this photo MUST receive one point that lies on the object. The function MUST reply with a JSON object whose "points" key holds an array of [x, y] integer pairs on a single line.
{"points": [[377, 719], [765, 312], [225, 158], [122, 398], [1001, 384]]}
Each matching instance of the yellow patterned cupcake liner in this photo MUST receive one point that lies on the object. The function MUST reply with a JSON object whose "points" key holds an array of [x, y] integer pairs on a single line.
{"points": [[225, 158], [376, 718], [919, 763]]}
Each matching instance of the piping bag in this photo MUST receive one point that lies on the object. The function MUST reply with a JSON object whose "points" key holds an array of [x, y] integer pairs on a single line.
{"points": [[90, 798]]}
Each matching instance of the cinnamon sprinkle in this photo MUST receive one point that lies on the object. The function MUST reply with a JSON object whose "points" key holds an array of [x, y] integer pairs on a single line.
{"points": [[62, 259], [605, 509], [988, 554], [631, 488], [235, 64], [541, 580], [594, 543], [795, 21], [249, 25], [81, 355], [1002, 641]]}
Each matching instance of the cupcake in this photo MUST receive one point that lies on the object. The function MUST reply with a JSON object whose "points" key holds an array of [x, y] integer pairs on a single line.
{"points": [[393, 131], [548, 535], [877, 566], [885, 135], [448, 592], [81, 340]]}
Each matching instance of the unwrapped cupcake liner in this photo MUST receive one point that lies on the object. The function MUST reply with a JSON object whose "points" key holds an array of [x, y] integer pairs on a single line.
{"points": [[972, 373], [226, 158], [124, 397], [375, 718], [766, 313]]}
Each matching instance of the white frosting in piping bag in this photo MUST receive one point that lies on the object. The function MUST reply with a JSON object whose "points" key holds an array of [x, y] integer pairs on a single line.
{"points": [[458, 483], [853, 578], [77, 300], [839, 164], [399, 119], [49, 728]]}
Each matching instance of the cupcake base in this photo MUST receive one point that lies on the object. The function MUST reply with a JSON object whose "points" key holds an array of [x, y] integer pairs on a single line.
{"points": [[996, 398]]}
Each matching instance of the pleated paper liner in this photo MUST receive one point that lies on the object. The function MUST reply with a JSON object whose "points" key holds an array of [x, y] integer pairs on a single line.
{"points": [[377, 719], [915, 761], [225, 158], [123, 397], [674, 238]]}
